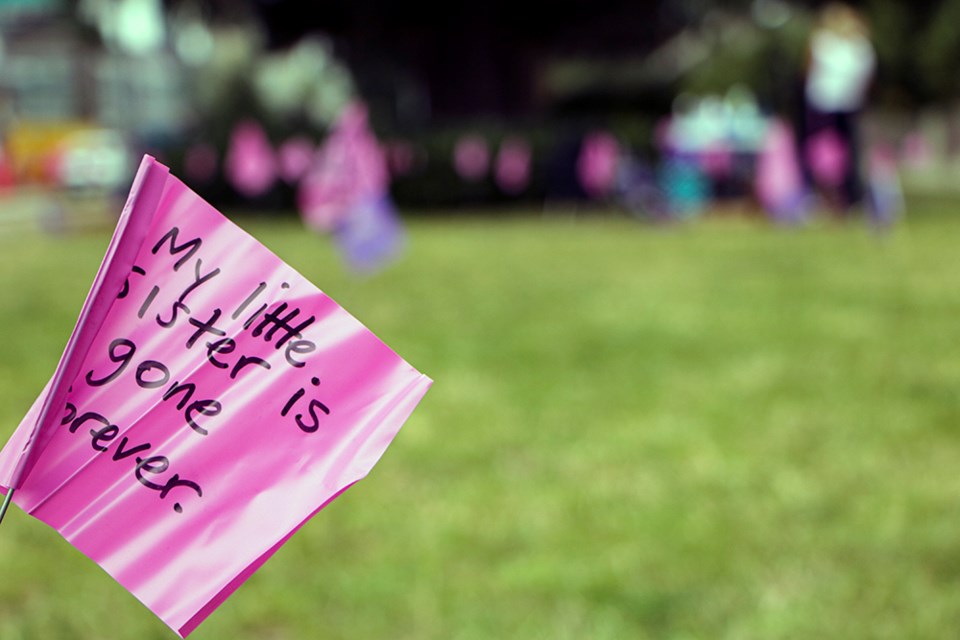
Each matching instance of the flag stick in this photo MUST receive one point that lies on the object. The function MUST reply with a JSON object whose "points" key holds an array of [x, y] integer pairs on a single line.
{"points": [[6, 503]]}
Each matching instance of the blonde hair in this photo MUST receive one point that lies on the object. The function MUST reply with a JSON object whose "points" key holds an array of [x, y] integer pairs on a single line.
{"points": [[843, 20]]}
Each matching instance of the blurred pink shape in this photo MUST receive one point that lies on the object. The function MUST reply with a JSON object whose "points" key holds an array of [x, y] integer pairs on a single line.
{"points": [[200, 162], [717, 161], [882, 159], [779, 182], [512, 171], [471, 158], [916, 150], [251, 166], [886, 194], [663, 135], [7, 177], [295, 156], [401, 157], [828, 157], [597, 164], [350, 167]]}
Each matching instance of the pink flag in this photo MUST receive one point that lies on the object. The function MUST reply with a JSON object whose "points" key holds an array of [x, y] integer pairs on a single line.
{"points": [[513, 165], [828, 157], [209, 402], [471, 158], [294, 157], [349, 168], [597, 163], [250, 165], [778, 180]]}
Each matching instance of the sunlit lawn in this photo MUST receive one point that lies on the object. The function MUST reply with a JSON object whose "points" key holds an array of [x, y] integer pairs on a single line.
{"points": [[715, 430]]}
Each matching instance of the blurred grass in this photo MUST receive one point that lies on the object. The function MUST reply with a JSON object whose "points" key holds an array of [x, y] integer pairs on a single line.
{"points": [[721, 430]]}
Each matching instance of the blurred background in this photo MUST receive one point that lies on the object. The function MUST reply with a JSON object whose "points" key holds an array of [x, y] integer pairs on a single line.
{"points": [[657, 108], [684, 273]]}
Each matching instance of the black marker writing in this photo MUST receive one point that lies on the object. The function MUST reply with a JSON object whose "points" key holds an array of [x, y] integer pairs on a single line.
{"points": [[102, 435], [250, 298], [191, 246], [312, 408], [153, 374]]}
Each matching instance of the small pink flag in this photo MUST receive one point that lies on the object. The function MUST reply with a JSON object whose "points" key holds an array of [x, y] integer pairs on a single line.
{"points": [[250, 165], [828, 157], [778, 179], [597, 163], [348, 169], [513, 165], [209, 402], [294, 157], [471, 158]]}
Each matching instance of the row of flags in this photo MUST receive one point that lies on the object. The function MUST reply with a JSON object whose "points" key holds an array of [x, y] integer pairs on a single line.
{"points": [[780, 186], [253, 165], [511, 167], [342, 185]]}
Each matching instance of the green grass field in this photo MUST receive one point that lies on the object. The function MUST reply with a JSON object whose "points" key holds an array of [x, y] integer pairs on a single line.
{"points": [[719, 430]]}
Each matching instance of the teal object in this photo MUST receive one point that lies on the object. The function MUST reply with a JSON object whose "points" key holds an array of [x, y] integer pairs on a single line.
{"points": [[685, 187]]}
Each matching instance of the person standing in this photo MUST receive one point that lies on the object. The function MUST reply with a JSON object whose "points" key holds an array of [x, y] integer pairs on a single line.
{"points": [[840, 68]]}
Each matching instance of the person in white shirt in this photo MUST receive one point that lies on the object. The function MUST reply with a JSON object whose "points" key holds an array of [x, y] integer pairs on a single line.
{"points": [[840, 69]]}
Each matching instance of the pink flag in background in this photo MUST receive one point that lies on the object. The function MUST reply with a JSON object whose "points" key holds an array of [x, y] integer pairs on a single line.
{"points": [[348, 169], [716, 161], [294, 157], [209, 402], [471, 158], [250, 165], [597, 163], [513, 165], [778, 179], [828, 157]]}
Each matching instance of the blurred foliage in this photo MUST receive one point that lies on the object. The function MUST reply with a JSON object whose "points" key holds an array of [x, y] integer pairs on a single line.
{"points": [[916, 44], [701, 47], [917, 51], [769, 60], [937, 51]]}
